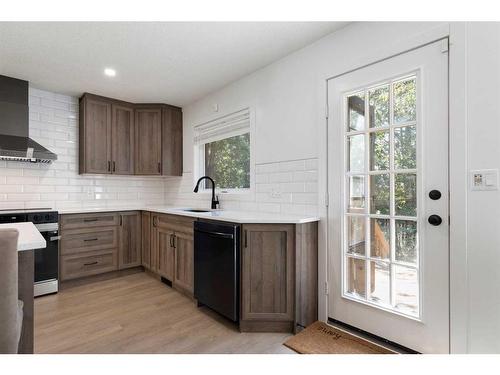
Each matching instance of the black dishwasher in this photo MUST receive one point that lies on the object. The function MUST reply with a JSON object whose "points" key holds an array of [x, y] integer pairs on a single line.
{"points": [[217, 267]]}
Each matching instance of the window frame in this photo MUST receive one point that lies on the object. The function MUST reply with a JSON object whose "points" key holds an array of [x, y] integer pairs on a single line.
{"points": [[199, 158]]}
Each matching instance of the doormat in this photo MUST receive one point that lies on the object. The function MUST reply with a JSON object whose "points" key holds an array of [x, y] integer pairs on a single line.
{"points": [[320, 338]]}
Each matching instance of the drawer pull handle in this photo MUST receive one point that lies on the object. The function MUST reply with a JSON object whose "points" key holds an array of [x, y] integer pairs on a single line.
{"points": [[90, 239], [91, 263], [89, 220]]}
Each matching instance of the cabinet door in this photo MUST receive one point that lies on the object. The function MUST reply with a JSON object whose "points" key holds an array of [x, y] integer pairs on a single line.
{"points": [[184, 261], [148, 141], [267, 272], [165, 240], [146, 239], [129, 248], [172, 142], [122, 137], [95, 124]]}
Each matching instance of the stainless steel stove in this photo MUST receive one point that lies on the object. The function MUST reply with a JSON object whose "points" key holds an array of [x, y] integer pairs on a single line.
{"points": [[47, 259]]}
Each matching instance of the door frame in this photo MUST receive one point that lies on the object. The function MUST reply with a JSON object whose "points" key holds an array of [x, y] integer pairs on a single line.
{"points": [[457, 137]]}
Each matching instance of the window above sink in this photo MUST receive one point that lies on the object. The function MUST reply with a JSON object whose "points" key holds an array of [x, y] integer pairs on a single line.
{"points": [[223, 149]]}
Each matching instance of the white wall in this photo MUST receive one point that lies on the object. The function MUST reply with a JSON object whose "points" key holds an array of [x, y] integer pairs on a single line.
{"points": [[483, 207], [288, 98], [54, 124]]}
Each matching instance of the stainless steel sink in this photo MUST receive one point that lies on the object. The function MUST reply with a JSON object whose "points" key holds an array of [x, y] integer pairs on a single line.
{"points": [[194, 210]]}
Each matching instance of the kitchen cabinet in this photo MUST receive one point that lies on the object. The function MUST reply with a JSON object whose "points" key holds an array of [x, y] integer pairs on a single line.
{"points": [[267, 273], [95, 135], [184, 260], [107, 136], [129, 254], [279, 288], [148, 141], [122, 138], [173, 240], [165, 251], [146, 239], [171, 141], [97, 243]]}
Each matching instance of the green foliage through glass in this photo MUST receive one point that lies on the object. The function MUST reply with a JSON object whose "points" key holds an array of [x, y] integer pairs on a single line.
{"points": [[228, 162]]}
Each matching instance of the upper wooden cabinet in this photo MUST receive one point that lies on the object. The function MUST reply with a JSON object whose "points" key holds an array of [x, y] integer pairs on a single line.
{"points": [[171, 141], [149, 141], [122, 138], [95, 135]]}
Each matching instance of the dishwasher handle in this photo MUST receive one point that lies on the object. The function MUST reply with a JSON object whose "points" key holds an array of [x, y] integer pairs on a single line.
{"points": [[216, 234]]}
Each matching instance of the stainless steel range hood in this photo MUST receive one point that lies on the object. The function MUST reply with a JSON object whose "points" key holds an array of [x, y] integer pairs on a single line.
{"points": [[15, 143]]}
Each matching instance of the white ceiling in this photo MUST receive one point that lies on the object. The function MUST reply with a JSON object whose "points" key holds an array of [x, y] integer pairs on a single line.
{"points": [[170, 62]]}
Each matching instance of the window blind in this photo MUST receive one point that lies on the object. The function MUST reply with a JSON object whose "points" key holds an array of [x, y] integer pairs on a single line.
{"points": [[231, 125]]}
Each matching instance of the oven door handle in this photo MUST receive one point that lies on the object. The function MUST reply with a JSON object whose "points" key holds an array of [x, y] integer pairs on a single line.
{"points": [[54, 238]]}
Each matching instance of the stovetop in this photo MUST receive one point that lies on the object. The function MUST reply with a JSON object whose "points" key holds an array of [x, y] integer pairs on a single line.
{"points": [[35, 215], [24, 210]]}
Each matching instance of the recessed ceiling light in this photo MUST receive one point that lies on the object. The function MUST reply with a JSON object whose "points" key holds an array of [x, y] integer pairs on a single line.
{"points": [[110, 72]]}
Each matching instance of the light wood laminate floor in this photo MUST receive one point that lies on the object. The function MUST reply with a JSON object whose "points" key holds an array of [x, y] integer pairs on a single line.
{"points": [[138, 314]]}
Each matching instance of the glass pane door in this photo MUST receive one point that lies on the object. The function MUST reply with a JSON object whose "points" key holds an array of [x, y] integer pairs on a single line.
{"points": [[381, 251]]}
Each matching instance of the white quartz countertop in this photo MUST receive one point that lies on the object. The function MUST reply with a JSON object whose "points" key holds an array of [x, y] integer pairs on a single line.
{"points": [[242, 217], [29, 237]]}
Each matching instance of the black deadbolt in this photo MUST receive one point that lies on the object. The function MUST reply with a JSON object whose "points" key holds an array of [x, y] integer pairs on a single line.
{"points": [[434, 195], [435, 220]]}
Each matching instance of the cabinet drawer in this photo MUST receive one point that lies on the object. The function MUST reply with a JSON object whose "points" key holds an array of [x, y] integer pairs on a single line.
{"points": [[175, 223], [92, 263], [81, 240], [79, 221]]}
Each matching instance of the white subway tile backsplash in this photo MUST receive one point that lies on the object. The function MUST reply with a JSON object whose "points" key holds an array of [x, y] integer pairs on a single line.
{"points": [[21, 180], [305, 176], [288, 187], [281, 177], [54, 124], [11, 188], [292, 166], [305, 198]]}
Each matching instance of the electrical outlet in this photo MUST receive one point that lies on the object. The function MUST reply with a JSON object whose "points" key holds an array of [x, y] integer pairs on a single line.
{"points": [[484, 179], [275, 193]]}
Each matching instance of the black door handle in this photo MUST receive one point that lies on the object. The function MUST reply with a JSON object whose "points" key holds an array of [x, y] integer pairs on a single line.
{"points": [[434, 195], [435, 220]]}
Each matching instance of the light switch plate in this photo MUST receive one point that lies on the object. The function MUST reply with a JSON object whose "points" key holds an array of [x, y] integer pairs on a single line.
{"points": [[484, 179]]}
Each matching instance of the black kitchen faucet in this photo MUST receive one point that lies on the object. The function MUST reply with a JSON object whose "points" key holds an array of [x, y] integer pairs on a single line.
{"points": [[215, 201]]}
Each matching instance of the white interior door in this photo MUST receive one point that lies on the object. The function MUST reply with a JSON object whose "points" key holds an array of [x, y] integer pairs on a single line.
{"points": [[388, 189]]}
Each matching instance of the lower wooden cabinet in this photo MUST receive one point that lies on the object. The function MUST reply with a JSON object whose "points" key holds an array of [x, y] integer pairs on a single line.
{"points": [[146, 239], [278, 266], [130, 252], [88, 264], [184, 261], [172, 242], [279, 262], [165, 250], [267, 282], [92, 244]]}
